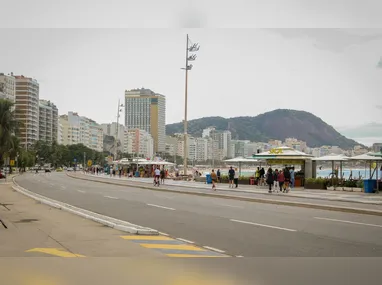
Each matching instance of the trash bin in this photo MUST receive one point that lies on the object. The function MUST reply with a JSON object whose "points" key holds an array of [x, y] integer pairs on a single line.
{"points": [[136, 173], [208, 179], [369, 185]]}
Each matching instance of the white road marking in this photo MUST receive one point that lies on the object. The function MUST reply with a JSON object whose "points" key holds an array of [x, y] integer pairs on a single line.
{"points": [[262, 225], [167, 208], [349, 222], [111, 197], [163, 234], [185, 240], [81, 191], [214, 249], [239, 256], [231, 206]]}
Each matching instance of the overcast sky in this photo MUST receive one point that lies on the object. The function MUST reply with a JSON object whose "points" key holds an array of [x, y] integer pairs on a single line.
{"points": [[248, 70]]}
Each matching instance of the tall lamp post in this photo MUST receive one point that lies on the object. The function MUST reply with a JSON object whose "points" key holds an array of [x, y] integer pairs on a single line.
{"points": [[119, 110], [191, 48]]}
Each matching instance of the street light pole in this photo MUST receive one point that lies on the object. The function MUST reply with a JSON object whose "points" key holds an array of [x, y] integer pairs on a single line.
{"points": [[185, 153], [117, 129], [192, 57]]}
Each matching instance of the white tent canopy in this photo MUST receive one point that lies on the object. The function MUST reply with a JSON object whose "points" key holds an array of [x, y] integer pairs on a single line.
{"points": [[241, 160], [332, 157], [366, 157]]}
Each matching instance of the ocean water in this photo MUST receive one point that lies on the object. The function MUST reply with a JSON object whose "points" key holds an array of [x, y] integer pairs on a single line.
{"points": [[324, 173]]}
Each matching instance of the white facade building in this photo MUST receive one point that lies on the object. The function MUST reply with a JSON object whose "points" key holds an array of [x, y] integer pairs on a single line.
{"points": [[146, 110], [48, 122], [8, 87], [59, 132], [201, 149], [207, 132], [77, 129], [27, 110], [139, 142], [224, 142]]}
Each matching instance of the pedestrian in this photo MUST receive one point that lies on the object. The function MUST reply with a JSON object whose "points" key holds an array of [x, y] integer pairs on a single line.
{"points": [[281, 179], [236, 178], [257, 175], [269, 179], [292, 177], [214, 179], [162, 175], [218, 175], [262, 175], [287, 180], [231, 176], [276, 181], [157, 176]]}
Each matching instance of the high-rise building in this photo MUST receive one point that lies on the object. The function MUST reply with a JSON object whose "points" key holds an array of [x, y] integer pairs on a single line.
{"points": [[146, 110], [48, 121], [139, 142], [59, 132], [224, 142], [7, 87], [78, 129], [27, 110], [201, 149]]}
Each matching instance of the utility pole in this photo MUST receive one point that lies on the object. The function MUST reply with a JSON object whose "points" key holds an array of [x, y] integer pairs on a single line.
{"points": [[189, 48]]}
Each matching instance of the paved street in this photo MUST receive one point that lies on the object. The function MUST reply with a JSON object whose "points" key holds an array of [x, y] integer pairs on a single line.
{"points": [[235, 228]]}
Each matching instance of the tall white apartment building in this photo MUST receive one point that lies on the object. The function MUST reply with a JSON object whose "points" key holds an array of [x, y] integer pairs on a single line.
{"points": [[224, 141], [191, 147], [27, 109], [146, 110], [207, 132], [139, 143], [171, 145], [201, 149], [81, 130], [48, 121], [59, 132], [8, 87], [213, 149]]}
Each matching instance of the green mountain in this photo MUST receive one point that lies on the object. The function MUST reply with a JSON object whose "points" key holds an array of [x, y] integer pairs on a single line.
{"points": [[278, 124]]}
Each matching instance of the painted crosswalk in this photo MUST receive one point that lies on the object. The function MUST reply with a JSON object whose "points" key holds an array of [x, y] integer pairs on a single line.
{"points": [[55, 252], [173, 247]]}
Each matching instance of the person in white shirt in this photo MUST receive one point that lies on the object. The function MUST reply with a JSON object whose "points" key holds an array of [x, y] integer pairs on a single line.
{"points": [[157, 175], [236, 178]]}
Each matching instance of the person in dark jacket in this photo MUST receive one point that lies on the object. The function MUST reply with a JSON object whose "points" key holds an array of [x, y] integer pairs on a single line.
{"points": [[270, 179]]}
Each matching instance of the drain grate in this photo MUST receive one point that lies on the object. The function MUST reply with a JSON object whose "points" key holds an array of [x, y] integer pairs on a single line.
{"points": [[4, 225]]}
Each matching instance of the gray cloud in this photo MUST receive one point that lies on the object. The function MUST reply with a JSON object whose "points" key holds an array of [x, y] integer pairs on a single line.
{"points": [[336, 40]]}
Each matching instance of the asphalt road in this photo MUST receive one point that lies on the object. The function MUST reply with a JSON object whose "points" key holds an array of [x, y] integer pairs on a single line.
{"points": [[238, 228]]}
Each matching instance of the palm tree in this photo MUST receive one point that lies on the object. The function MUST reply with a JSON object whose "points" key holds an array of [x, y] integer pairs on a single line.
{"points": [[8, 127]]}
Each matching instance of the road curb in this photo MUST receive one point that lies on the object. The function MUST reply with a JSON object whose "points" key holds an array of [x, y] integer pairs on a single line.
{"points": [[105, 220], [246, 199]]}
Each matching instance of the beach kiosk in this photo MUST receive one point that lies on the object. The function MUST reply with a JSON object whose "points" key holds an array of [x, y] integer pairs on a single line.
{"points": [[287, 156]]}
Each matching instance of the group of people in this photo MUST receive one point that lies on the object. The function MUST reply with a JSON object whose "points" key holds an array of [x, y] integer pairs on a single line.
{"points": [[233, 178], [282, 179]]}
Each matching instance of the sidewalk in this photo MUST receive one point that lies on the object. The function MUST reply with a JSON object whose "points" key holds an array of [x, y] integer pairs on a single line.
{"points": [[330, 195], [30, 229]]}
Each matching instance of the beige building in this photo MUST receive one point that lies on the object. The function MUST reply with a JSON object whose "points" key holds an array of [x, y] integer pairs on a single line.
{"points": [[146, 110], [7, 87], [48, 121], [27, 110], [139, 143], [81, 130]]}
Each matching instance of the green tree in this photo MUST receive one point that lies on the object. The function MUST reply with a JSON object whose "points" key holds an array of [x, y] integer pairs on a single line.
{"points": [[8, 127]]}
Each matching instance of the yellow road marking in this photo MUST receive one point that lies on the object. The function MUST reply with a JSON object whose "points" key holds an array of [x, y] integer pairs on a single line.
{"points": [[146, 238], [172, 246], [55, 251], [192, 255]]}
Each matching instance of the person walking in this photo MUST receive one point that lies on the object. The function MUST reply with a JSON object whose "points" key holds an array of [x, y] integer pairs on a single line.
{"points": [[162, 176], [292, 177], [287, 180], [231, 176], [157, 176], [257, 176], [281, 179], [219, 175], [269, 179], [214, 179], [236, 178], [276, 181]]}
